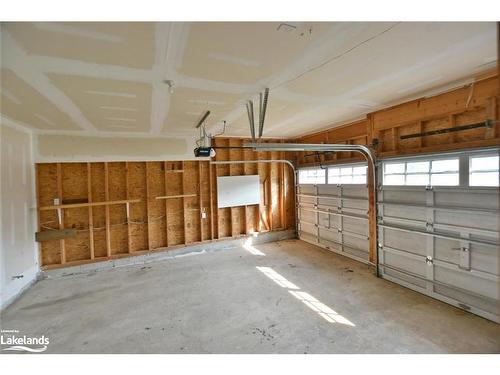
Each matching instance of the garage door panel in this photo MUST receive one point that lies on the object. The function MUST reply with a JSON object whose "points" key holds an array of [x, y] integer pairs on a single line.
{"points": [[485, 259], [406, 241], [330, 235], [343, 228], [329, 190], [355, 225], [332, 224], [467, 198], [307, 200], [356, 243], [308, 228], [469, 220], [307, 189], [466, 300], [306, 236], [403, 278], [402, 262], [397, 195], [415, 213], [447, 250], [355, 252], [355, 205], [466, 281], [331, 245], [307, 216], [455, 255]]}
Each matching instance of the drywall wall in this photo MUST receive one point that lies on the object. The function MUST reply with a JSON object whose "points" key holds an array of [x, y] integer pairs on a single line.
{"points": [[108, 77], [19, 258], [70, 148]]}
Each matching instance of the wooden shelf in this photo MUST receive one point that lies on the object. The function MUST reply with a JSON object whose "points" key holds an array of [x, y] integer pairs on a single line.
{"points": [[174, 171], [176, 196], [93, 204]]}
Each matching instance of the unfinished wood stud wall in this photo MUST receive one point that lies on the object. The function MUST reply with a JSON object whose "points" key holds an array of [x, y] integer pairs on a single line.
{"points": [[383, 129], [128, 208]]}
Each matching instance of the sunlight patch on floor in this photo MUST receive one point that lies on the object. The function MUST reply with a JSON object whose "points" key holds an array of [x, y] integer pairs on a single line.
{"points": [[323, 310], [249, 247], [317, 306], [277, 278]]}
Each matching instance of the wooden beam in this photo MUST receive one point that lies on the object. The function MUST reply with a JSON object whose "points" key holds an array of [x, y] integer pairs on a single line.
{"points": [[61, 212], [270, 195], [183, 196], [492, 110], [210, 173], [166, 200], [91, 214], [93, 204], [176, 196], [50, 235], [127, 195], [200, 200], [39, 228], [147, 205], [245, 208], [106, 195], [282, 190]]}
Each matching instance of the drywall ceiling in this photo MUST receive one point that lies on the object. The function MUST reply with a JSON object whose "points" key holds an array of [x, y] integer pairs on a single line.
{"points": [[108, 78]]}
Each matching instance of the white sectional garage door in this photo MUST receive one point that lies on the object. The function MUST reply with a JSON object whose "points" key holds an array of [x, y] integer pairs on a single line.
{"points": [[443, 241], [335, 217], [435, 238]]}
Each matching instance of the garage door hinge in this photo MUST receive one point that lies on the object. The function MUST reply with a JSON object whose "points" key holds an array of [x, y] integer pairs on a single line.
{"points": [[429, 260], [429, 227]]}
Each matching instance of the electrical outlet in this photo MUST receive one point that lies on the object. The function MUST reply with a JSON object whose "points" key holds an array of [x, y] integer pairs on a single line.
{"points": [[56, 201], [203, 215]]}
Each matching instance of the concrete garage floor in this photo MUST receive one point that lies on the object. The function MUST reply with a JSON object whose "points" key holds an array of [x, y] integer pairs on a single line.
{"points": [[281, 297]]}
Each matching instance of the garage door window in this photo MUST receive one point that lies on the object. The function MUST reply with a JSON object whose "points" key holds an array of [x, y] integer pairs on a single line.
{"points": [[443, 172], [312, 176], [483, 170], [347, 175]]}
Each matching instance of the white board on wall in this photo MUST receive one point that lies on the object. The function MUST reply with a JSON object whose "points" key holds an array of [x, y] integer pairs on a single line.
{"points": [[233, 191]]}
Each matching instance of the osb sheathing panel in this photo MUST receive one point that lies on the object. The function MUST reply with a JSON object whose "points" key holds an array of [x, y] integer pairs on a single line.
{"points": [[47, 191], [118, 213], [74, 189], [136, 180], [191, 203], [469, 104], [103, 232], [156, 207], [204, 172], [98, 194]]}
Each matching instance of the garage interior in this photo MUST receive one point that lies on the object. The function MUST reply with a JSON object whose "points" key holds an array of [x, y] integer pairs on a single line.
{"points": [[251, 187]]}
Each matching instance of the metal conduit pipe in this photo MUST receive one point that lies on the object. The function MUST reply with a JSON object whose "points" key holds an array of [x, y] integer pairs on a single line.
{"points": [[300, 147], [288, 162]]}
